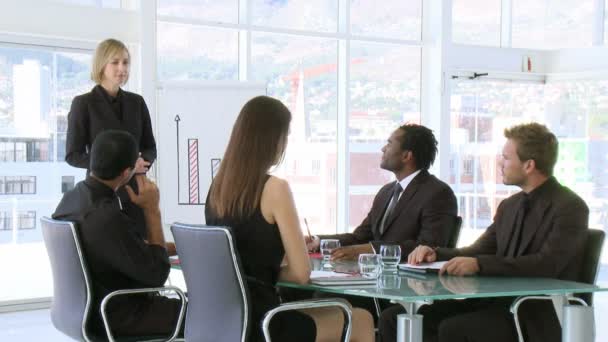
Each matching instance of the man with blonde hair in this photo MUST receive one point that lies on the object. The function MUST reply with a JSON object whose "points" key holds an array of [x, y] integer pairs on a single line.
{"points": [[538, 232]]}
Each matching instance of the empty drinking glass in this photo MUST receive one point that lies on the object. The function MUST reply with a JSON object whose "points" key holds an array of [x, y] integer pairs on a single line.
{"points": [[369, 265], [327, 246], [391, 255]]}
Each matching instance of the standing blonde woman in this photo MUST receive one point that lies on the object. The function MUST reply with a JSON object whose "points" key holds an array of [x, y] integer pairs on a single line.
{"points": [[261, 212], [105, 107]]}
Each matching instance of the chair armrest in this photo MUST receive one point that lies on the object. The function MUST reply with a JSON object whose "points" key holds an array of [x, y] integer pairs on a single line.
{"points": [[308, 304], [111, 295], [518, 301]]}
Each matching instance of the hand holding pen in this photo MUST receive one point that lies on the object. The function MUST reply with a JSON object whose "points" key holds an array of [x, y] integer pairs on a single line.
{"points": [[307, 228], [312, 242]]}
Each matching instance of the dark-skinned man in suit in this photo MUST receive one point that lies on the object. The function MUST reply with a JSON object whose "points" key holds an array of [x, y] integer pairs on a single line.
{"points": [[416, 209], [538, 232], [425, 208]]}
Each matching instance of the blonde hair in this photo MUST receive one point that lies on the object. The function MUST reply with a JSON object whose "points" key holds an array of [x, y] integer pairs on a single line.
{"points": [[104, 52]]}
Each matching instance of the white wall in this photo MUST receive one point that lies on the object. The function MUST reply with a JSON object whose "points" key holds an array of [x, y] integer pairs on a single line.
{"points": [[578, 60], [482, 58]]}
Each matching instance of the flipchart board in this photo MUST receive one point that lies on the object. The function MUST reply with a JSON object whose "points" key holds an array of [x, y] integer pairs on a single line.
{"points": [[195, 120]]}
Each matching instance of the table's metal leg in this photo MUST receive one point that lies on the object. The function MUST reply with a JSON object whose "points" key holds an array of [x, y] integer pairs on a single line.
{"points": [[558, 303], [578, 324], [409, 328], [409, 325], [402, 325]]}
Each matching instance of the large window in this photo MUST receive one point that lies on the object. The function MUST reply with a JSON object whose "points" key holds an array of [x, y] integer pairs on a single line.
{"points": [[578, 113], [531, 24], [198, 53], [225, 11], [476, 22], [394, 19], [113, 4], [308, 59], [301, 72], [313, 15], [37, 85], [552, 24], [384, 94], [606, 23]]}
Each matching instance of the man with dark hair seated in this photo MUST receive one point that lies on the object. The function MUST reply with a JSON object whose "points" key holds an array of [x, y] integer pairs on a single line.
{"points": [[117, 255], [415, 209]]}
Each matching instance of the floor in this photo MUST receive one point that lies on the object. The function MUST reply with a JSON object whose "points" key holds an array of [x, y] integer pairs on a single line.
{"points": [[36, 325], [29, 326]]}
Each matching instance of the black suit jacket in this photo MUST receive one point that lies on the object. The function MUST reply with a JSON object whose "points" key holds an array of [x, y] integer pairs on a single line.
{"points": [[425, 214], [117, 256], [92, 114], [553, 248]]}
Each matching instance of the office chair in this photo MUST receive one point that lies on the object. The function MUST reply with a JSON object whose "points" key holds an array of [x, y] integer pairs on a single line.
{"points": [[591, 261], [455, 233], [588, 275], [72, 289], [217, 293]]}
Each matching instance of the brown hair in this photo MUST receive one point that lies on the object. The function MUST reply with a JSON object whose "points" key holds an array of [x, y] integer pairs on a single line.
{"points": [[535, 141], [257, 142], [104, 52]]}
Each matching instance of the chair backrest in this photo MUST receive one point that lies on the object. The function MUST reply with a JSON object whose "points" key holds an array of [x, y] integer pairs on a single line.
{"points": [[455, 233], [71, 283], [591, 260], [218, 308]]}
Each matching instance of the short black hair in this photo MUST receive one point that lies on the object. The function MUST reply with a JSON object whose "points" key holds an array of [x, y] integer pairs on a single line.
{"points": [[112, 152], [421, 141]]}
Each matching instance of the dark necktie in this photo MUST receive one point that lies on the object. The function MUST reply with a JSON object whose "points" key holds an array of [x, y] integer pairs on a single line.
{"points": [[391, 206], [515, 240]]}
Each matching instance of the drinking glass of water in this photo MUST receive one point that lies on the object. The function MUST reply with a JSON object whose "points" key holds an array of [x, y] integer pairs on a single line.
{"points": [[327, 246], [391, 255], [369, 265]]}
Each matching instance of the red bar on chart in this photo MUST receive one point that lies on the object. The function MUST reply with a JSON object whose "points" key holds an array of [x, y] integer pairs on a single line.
{"points": [[193, 170]]}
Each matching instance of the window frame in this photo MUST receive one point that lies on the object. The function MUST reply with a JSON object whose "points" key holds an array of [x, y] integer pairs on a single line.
{"points": [[598, 30], [344, 37]]}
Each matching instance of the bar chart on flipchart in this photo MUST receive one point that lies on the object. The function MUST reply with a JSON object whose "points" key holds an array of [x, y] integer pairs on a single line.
{"points": [[191, 153], [195, 120]]}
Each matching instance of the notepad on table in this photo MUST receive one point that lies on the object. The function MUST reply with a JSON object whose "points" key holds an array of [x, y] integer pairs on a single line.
{"points": [[174, 260], [329, 278], [315, 255], [426, 267]]}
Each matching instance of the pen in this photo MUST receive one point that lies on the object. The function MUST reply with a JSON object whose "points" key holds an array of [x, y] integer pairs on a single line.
{"points": [[307, 228]]}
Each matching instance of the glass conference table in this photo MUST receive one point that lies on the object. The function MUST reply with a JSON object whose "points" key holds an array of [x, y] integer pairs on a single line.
{"points": [[413, 290]]}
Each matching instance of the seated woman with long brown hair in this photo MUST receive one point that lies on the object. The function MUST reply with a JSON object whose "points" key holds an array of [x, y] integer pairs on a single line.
{"points": [[261, 212]]}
